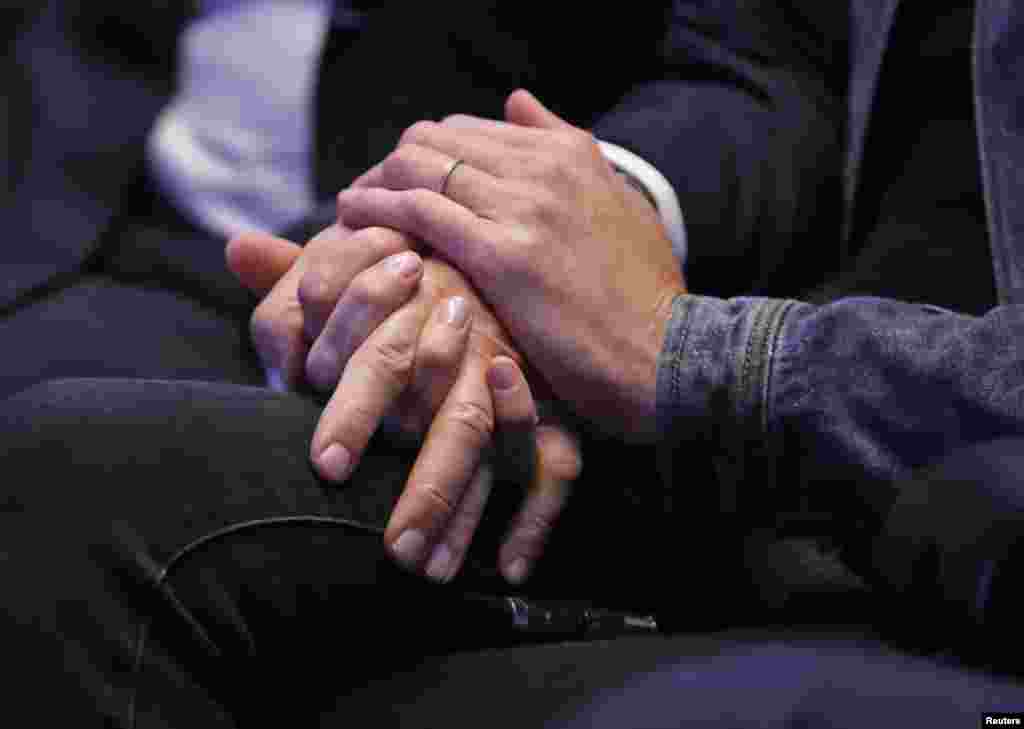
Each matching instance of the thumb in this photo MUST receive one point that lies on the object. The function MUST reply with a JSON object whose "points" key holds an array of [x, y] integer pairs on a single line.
{"points": [[524, 109], [259, 260]]}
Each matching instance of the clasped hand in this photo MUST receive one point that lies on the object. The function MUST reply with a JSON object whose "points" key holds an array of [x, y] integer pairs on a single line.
{"points": [[394, 335], [575, 263]]}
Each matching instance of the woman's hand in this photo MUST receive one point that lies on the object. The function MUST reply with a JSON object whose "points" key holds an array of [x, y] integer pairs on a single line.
{"points": [[390, 340]]}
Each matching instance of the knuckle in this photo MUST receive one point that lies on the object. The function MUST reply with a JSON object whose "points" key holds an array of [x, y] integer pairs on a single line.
{"points": [[541, 205], [569, 147], [434, 357], [518, 253], [418, 131], [530, 535], [535, 526], [549, 211], [393, 360], [533, 166], [547, 164], [439, 500], [382, 242], [457, 120], [572, 141], [397, 164], [581, 141], [316, 287], [473, 419], [360, 294], [414, 205]]}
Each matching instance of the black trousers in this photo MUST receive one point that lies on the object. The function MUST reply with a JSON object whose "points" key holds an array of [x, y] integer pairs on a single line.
{"points": [[169, 559]]}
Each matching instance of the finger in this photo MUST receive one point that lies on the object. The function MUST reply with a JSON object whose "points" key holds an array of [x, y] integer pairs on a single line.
{"points": [[486, 145], [374, 378], [259, 260], [413, 166], [439, 354], [525, 109], [453, 449], [367, 178], [275, 330], [270, 267], [464, 238], [450, 552], [515, 416], [373, 177], [278, 321], [332, 261], [514, 135], [486, 153], [371, 297], [559, 465]]}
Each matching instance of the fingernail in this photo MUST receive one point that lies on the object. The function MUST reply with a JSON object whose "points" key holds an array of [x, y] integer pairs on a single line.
{"points": [[409, 547], [502, 375], [440, 565], [335, 462], [515, 572], [404, 264], [457, 311]]}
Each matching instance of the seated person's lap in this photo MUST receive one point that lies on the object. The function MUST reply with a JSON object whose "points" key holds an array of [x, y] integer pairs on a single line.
{"points": [[185, 540], [168, 544]]}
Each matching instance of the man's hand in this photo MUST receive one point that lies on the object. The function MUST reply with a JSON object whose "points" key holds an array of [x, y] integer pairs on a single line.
{"points": [[390, 338], [580, 274]]}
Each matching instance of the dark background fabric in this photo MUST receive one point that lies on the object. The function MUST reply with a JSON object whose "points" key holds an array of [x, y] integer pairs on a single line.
{"points": [[920, 233]]}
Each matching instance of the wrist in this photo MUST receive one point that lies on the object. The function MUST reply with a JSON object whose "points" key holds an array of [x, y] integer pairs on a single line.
{"points": [[639, 187], [636, 410], [658, 334], [655, 187]]}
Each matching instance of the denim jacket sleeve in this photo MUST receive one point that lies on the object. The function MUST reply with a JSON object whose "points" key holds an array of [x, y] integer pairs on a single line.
{"points": [[841, 398]]}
